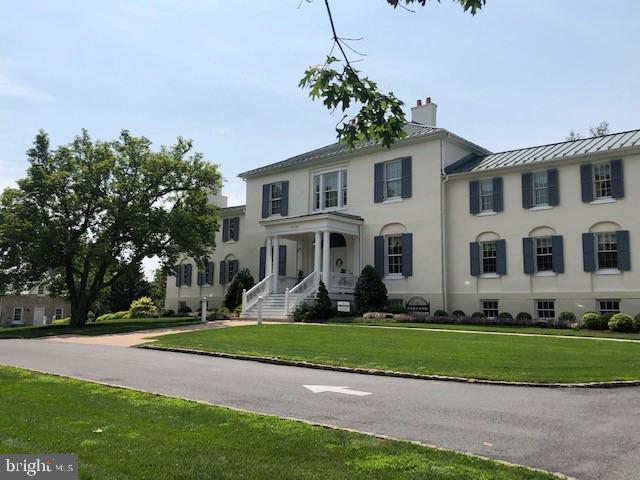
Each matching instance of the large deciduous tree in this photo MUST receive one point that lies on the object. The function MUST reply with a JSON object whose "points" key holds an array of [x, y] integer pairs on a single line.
{"points": [[89, 210], [342, 87]]}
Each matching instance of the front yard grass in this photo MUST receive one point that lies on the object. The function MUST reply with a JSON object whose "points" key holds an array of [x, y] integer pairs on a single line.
{"points": [[93, 329], [125, 434], [468, 355]]}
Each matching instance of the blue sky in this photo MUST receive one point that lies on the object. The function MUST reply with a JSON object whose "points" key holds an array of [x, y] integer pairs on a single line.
{"points": [[225, 73]]}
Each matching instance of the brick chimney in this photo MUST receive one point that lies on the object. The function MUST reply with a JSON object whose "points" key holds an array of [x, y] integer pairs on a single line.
{"points": [[424, 113]]}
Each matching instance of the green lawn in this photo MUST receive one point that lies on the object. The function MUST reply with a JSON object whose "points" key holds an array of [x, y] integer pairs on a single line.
{"points": [[566, 332], [121, 434], [93, 329], [494, 357]]}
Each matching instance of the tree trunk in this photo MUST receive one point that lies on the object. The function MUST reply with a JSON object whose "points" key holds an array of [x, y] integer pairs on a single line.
{"points": [[79, 313]]}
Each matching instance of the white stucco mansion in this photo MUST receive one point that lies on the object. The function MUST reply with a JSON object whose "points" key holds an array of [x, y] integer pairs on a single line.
{"points": [[542, 229]]}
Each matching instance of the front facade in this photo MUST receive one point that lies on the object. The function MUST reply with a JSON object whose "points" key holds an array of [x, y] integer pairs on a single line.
{"points": [[35, 307], [541, 230]]}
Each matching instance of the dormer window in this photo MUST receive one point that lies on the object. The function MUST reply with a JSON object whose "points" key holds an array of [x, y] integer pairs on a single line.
{"points": [[330, 190]]}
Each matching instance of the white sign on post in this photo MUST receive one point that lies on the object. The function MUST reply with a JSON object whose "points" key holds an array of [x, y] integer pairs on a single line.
{"points": [[344, 306]]}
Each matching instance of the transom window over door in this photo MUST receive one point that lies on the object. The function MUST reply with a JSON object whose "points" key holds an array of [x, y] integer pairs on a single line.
{"points": [[602, 180], [275, 198], [330, 190], [540, 188], [486, 196], [607, 250], [393, 179], [394, 254]]}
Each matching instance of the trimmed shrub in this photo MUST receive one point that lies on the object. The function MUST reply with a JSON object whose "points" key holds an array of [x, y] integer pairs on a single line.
{"points": [[243, 280], [479, 315], [167, 313], [323, 308], [458, 313], [395, 308], [184, 308], [237, 311], [374, 315], [636, 322], [568, 317], [302, 312], [505, 316], [143, 307], [621, 322], [114, 316], [370, 293], [593, 321], [524, 317], [404, 318], [440, 314]]}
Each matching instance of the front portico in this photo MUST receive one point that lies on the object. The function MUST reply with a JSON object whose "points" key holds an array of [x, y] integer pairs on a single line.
{"points": [[328, 248]]}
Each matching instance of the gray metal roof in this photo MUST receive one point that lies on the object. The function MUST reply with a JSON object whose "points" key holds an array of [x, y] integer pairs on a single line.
{"points": [[412, 130], [554, 151]]}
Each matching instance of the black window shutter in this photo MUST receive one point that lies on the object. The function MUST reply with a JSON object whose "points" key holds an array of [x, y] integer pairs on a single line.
{"points": [[200, 277], [188, 273], [407, 254], [474, 258], [586, 179], [617, 179], [282, 260], [554, 187], [497, 195], [263, 263], [178, 273], [223, 272], [474, 197], [378, 184], [236, 232], [528, 256], [406, 177], [588, 252], [378, 244], [209, 280], [501, 257], [225, 230], [557, 248], [624, 251], [284, 209], [527, 191], [236, 267], [266, 207]]}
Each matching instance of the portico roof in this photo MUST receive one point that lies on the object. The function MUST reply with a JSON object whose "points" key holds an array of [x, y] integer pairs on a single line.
{"points": [[335, 222]]}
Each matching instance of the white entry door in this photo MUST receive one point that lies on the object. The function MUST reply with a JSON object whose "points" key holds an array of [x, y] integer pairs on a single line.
{"points": [[38, 316]]}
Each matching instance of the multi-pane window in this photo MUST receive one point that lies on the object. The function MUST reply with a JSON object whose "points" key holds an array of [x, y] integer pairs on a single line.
{"points": [[489, 256], [275, 198], [394, 254], [486, 196], [330, 190], [540, 188], [232, 269], [490, 308], [58, 314], [17, 315], [233, 224], [186, 275], [393, 179], [607, 250], [546, 308], [602, 180], [544, 254], [609, 306], [40, 289]]}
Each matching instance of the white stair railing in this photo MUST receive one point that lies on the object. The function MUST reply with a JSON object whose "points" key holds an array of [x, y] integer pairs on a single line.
{"points": [[250, 297], [301, 292]]}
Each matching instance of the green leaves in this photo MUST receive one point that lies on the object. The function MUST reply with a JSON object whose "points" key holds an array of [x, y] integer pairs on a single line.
{"points": [[468, 5], [380, 118]]}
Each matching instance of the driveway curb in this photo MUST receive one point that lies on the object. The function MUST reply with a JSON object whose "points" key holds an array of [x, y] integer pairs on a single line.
{"points": [[390, 373]]}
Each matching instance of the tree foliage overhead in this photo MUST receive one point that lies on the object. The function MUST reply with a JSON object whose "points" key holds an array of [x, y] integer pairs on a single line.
{"points": [[340, 86], [89, 210], [599, 130]]}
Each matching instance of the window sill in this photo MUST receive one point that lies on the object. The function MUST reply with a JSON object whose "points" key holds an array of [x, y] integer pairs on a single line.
{"points": [[489, 275], [545, 274], [330, 210], [608, 271], [393, 200], [487, 213], [394, 276], [540, 207], [602, 201]]}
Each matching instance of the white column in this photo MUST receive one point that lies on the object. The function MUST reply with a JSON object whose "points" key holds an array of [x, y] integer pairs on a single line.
{"points": [[326, 246], [276, 263], [317, 252], [267, 263]]}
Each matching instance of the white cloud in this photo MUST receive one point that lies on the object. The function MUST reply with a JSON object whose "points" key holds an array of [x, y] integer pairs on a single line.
{"points": [[12, 89]]}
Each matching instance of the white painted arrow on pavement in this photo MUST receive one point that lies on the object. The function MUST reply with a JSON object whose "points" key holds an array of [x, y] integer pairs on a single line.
{"points": [[332, 389]]}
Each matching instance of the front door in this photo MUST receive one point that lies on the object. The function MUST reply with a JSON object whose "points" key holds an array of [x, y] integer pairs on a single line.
{"points": [[38, 316]]}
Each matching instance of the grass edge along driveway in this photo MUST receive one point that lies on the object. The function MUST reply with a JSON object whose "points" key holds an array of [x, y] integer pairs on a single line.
{"points": [[488, 357], [170, 438]]}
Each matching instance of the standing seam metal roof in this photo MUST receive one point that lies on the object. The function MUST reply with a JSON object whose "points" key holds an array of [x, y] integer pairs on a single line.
{"points": [[554, 151]]}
